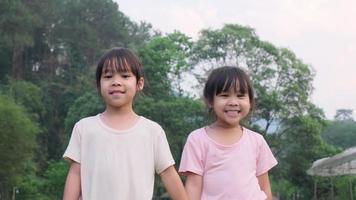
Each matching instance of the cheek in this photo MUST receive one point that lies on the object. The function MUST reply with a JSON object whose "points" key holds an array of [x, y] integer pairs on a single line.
{"points": [[219, 103], [248, 106]]}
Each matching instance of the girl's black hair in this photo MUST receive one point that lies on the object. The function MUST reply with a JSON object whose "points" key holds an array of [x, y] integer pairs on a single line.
{"points": [[119, 60], [223, 79]]}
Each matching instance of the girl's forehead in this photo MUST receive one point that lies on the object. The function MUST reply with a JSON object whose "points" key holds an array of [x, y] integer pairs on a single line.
{"points": [[233, 87], [111, 69], [116, 68], [116, 64], [233, 90]]}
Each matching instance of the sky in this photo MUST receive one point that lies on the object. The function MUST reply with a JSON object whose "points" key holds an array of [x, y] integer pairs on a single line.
{"points": [[322, 33]]}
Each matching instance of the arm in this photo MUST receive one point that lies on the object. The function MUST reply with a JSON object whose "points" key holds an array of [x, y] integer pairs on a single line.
{"points": [[72, 188], [173, 184], [263, 181], [193, 186]]}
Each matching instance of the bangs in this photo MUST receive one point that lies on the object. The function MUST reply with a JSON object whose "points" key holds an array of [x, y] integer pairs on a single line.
{"points": [[119, 60], [225, 79], [116, 64], [235, 82]]}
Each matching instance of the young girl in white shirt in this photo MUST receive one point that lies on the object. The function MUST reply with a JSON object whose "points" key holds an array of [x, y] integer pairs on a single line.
{"points": [[115, 154]]}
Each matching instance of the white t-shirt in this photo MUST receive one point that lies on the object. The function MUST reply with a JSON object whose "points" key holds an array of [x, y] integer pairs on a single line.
{"points": [[118, 164]]}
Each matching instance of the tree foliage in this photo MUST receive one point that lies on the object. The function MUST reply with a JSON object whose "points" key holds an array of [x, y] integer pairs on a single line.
{"points": [[299, 146], [341, 134], [165, 60], [17, 142]]}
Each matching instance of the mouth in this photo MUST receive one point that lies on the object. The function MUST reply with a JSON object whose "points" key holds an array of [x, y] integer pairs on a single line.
{"points": [[236, 111], [232, 113], [116, 92]]}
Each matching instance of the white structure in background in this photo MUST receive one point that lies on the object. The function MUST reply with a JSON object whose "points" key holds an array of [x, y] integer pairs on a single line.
{"points": [[343, 163]]}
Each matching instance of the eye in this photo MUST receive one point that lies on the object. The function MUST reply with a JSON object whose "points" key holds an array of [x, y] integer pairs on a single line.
{"points": [[126, 76], [241, 95], [106, 76]]}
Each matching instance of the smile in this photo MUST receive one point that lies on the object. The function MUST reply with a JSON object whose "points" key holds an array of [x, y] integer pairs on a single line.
{"points": [[238, 111], [232, 113], [116, 92]]}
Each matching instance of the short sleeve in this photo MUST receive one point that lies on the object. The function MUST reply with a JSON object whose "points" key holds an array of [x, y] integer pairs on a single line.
{"points": [[72, 152], [265, 158], [163, 155], [192, 157]]}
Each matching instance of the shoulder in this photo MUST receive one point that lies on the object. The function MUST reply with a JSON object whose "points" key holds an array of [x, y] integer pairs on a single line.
{"points": [[197, 135], [87, 121], [253, 136], [148, 123], [150, 126]]}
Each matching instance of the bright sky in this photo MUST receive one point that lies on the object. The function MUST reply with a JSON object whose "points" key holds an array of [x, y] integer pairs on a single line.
{"points": [[320, 32]]}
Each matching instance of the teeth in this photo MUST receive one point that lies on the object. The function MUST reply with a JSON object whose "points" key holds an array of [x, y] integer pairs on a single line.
{"points": [[232, 113]]}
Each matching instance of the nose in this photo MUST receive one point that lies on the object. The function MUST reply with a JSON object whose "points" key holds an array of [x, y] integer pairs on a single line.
{"points": [[233, 101], [116, 81]]}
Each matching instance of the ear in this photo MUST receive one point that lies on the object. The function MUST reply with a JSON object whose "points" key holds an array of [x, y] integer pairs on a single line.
{"points": [[140, 84]]}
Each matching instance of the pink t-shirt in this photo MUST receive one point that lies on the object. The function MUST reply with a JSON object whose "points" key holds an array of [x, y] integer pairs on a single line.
{"points": [[229, 172]]}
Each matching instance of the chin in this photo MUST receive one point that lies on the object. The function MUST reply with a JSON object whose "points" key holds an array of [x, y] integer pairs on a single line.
{"points": [[231, 123]]}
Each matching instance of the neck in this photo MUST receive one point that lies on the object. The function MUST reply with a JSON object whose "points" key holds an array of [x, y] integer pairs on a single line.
{"points": [[121, 112], [119, 120], [219, 125], [226, 135]]}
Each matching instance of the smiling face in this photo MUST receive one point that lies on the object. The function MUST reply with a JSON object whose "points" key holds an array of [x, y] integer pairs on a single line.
{"points": [[229, 94], [118, 89], [231, 107], [119, 76]]}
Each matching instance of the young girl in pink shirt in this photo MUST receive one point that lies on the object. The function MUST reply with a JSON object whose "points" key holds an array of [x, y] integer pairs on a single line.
{"points": [[225, 160]]}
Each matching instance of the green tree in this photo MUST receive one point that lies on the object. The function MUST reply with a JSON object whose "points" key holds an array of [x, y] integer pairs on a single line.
{"points": [[29, 184], [47, 187], [5, 63], [299, 145], [17, 142], [17, 23], [55, 177], [29, 96], [88, 27], [165, 60], [341, 134], [140, 33]]}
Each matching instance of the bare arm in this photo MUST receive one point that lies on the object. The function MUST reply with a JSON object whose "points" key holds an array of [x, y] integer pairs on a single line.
{"points": [[263, 181], [72, 188], [173, 184], [193, 186]]}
